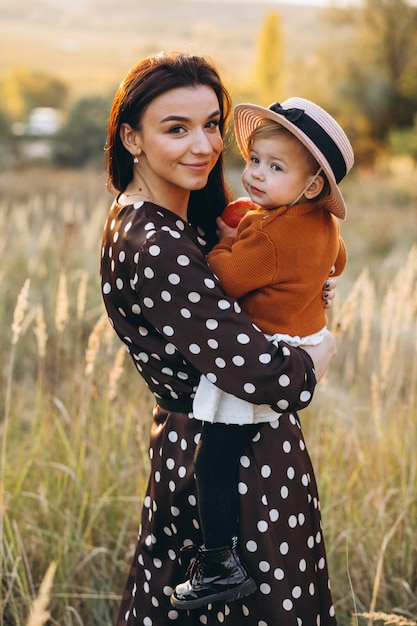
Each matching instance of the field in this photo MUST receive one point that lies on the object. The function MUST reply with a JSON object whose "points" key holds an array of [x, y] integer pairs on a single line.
{"points": [[91, 44], [76, 416]]}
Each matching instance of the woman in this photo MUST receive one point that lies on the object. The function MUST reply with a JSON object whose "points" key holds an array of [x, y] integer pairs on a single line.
{"points": [[164, 157]]}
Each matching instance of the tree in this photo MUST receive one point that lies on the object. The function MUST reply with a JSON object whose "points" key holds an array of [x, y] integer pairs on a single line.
{"points": [[404, 141], [83, 137], [268, 64], [389, 36], [24, 89], [381, 64]]}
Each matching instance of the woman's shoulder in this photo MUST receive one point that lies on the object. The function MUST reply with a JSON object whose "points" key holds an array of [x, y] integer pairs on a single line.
{"points": [[139, 213]]}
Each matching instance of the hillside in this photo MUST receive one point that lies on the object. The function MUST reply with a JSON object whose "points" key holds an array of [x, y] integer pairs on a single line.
{"points": [[90, 44]]}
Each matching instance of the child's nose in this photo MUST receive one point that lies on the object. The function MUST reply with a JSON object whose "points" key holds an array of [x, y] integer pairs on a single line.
{"points": [[257, 171]]}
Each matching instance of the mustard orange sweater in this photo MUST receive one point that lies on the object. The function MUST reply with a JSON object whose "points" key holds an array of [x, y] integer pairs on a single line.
{"points": [[278, 264]]}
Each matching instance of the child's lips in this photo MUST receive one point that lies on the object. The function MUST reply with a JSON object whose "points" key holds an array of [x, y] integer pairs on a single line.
{"points": [[256, 191]]}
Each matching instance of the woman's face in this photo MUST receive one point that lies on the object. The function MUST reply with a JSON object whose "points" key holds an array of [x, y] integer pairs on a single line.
{"points": [[179, 140]]}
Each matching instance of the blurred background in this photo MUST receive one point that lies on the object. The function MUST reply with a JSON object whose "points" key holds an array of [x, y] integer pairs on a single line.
{"points": [[75, 416]]}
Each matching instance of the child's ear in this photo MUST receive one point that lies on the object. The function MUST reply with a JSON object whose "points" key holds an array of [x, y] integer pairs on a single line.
{"points": [[315, 188]]}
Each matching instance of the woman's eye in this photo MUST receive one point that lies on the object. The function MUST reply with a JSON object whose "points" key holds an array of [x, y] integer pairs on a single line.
{"points": [[177, 130], [213, 124]]}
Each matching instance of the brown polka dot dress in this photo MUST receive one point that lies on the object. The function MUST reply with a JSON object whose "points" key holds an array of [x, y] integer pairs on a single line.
{"points": [[177, 323]]}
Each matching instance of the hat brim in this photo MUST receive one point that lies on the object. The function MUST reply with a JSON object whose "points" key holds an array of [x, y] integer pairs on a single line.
{"points": [[247, 117]]}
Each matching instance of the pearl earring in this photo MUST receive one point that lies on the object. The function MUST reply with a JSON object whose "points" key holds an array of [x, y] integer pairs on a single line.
{"points": [[135, 159]]}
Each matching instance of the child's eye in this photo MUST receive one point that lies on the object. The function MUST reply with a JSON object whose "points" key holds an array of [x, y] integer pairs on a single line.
{"points": [[275, 167], [254, 159]]}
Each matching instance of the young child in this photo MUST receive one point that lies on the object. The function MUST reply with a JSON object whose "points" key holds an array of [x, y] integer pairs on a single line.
{"points": [[275, 263]]}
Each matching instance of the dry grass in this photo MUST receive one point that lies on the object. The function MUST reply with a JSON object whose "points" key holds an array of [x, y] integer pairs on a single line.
{"points": [[385, 618], [39, 613], [76, 416]]}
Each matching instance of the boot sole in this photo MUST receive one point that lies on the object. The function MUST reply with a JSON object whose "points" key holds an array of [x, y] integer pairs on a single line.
{"points": [[223, 596]]}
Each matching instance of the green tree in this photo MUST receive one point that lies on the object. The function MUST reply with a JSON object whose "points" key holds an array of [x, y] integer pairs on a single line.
{"points": [[23, 89], [364, 71], [6, 138], [83, 136], [268, 64], [380, 64], [404, 141], [387, 38]]}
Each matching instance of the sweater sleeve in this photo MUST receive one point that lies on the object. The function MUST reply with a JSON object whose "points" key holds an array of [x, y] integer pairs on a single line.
{"points": [[341, 259], [181, 298], [236, 262]]}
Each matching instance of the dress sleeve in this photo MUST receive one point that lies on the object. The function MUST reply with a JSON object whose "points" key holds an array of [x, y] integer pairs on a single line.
{"points": [[184, 301]]}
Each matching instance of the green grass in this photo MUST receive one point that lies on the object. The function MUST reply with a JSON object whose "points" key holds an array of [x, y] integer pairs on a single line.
{"points": [[76, 415]]}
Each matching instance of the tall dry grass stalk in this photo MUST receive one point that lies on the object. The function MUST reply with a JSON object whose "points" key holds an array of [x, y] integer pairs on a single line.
{"points": [[367, 307], [82, 295], [19, 312], [94, 342], [397, 314], [16, 329], [380, 563], [39, 614], [40, 332], [116, 372], [61, 304], [388, 619]]}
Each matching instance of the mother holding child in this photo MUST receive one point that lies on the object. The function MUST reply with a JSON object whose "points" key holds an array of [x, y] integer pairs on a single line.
{"points": [[164, 162]]}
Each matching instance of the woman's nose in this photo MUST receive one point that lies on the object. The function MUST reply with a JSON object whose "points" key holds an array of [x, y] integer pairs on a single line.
{"points": [[201, 143]]}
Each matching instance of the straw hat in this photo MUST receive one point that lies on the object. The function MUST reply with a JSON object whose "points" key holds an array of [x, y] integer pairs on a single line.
{"points": [[315, 128]]}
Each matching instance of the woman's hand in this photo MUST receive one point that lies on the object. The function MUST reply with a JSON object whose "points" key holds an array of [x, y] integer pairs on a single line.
{"points": [[322, 354], [328, 289]]}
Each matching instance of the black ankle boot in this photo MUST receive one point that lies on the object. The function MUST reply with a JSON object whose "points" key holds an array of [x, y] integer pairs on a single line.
{"points": [[215, 574]]}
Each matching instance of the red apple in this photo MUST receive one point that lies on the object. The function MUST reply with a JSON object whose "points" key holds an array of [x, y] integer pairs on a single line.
{"points": [[235, 210]]}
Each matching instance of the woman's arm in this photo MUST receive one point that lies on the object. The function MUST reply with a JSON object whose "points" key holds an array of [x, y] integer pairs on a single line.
{"points": [[322, 354], [183, 300]]}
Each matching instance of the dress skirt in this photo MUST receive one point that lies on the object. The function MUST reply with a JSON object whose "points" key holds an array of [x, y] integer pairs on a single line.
{"points": [[280, 534]]}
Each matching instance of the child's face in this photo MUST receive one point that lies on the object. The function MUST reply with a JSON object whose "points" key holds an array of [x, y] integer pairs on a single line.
{"points": [[277, 171]]}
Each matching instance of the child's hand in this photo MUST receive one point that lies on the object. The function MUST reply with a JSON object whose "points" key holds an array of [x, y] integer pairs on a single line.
{"points": [[224, 230], [235, 210]]}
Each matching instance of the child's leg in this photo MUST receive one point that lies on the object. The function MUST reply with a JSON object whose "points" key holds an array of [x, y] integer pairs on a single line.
{"points": [[217, 572], [216, 468]]}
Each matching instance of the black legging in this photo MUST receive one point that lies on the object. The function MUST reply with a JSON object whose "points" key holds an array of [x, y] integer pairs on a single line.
{"points": [[216, 468]]}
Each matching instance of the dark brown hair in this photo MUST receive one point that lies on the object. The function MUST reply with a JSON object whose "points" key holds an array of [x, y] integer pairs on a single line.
{"points": [[150, 78]]}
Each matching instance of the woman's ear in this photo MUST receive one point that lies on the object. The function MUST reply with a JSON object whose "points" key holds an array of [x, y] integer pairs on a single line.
{"points": [[315, 187], [130, 139]]}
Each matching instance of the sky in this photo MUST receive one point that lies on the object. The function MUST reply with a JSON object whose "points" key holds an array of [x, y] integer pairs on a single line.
{"points": [[322, 3], [317, 3]]}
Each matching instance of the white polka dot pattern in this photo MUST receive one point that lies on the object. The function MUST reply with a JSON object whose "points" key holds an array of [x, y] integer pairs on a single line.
{"points": [[281, 540], [158, 290], [176, 323]]}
